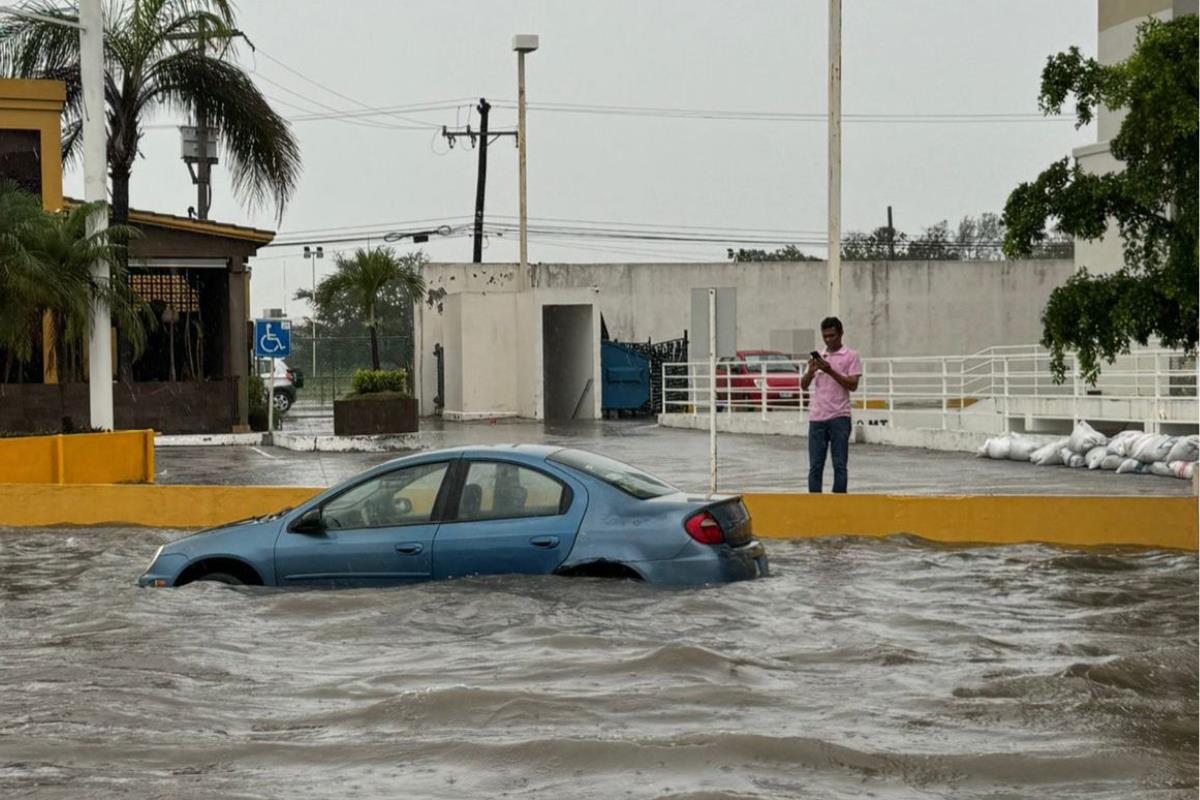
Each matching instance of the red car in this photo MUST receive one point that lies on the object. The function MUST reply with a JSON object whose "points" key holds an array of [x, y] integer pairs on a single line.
{"points": [[742, 379]]}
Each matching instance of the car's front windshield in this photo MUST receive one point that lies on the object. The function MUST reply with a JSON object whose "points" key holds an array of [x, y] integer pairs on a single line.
{"points": [[624, 477]]}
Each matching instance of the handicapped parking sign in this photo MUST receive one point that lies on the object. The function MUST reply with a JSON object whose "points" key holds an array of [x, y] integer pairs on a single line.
{"points": [[272, 338]]}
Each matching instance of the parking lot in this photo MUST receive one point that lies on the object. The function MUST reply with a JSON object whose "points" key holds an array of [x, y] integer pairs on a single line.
{"points": [[746, 463]]}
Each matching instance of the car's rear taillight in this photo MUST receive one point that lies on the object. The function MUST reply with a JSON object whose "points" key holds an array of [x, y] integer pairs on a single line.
{"points": [[704, 528], [290, 375]]}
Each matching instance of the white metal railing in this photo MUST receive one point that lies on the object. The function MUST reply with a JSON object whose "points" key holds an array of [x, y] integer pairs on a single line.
{"points": [[1152, 386]]}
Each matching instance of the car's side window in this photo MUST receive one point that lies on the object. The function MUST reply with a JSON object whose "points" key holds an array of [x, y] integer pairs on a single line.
{"points": [[499, 490], [400, 497]]}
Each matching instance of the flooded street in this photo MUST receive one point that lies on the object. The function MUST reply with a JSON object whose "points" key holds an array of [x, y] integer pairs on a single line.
{"points": [[889, 668]]}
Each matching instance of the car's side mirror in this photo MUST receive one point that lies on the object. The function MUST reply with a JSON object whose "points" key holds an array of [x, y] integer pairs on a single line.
{"points": [[309, 522]]}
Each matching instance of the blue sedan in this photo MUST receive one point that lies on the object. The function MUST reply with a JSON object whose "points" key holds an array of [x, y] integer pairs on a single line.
{"points": [[500, 510]]}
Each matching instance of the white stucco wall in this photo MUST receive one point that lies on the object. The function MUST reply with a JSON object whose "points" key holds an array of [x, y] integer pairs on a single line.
{"points": [[1115, 40], [889, 309]]}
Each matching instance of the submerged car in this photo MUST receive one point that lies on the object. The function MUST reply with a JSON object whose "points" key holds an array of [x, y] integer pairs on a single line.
{"points": [[504, 509]]}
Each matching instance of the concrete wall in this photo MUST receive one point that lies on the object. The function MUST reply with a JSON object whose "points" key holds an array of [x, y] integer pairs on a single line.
{"points": [[890, 309], [492, 332], [492, 336]]}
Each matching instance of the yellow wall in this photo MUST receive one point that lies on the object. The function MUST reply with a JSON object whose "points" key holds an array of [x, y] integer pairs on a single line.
{"points": [[117, 457], [37, 106], [992, 519], [1159, 522]]}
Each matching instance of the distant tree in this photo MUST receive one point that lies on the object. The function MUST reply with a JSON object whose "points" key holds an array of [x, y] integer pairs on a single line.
{"points": [[1153, 200], [363, 289], [786, 253]]}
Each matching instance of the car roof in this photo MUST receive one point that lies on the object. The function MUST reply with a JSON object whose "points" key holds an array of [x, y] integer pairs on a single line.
{"points": [[761, 353], [524, 452]]}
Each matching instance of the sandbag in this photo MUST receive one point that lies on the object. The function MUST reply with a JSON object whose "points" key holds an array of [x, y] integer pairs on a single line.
{"points": [[1073, 460], [1119, 444], [1021, 447], [1095, 457], [1084, 437], [1162, 469], [1049, 455], [1151, 447], [1186, 448], [1183, 469], [1111, 461], [998, 447], [1131, 466]]}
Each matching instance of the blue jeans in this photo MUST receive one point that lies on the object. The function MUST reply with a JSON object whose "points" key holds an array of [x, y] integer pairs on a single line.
{"points": [[829, 434]]}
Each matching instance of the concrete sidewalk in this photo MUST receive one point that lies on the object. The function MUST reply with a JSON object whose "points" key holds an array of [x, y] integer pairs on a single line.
{"points": [[746, 463]]}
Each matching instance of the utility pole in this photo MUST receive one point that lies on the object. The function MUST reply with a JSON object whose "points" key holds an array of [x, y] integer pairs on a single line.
{"points": [[835, 156], [481, 181], [891, 237]]}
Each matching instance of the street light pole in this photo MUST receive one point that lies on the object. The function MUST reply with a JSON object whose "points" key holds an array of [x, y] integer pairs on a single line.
{"points": [[523, 43], [312, 256], [95, 190]]}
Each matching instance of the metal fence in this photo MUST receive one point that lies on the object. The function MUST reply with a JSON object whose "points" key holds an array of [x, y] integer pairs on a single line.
{"points": [[338, 358], [994, 386]]}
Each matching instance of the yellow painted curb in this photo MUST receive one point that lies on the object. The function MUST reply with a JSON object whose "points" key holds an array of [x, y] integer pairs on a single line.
{"points": [[1158, 522], [86, 458]]}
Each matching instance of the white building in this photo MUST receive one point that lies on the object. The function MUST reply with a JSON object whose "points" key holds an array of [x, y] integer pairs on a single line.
{"points": [[1118, 22]]}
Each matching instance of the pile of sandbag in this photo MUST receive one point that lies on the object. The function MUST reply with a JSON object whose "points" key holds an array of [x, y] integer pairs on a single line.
{"points": [[1129, 452]]}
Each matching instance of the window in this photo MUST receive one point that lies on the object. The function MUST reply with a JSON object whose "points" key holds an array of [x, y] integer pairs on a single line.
{"points": [[401, 497], [499, 490], [774, 362], [624, 477]]}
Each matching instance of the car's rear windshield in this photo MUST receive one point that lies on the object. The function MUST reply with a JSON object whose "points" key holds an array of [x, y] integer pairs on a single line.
{"points": [[629, 480], [773, 362]]}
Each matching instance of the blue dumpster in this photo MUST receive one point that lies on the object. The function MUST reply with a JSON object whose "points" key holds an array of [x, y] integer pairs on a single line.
{"points": [[625, 378]]}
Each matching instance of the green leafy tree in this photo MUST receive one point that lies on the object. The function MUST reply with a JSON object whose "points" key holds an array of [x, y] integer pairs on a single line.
{"points": [[786, 253], [1153, 200], [161, 54], [363, 288]]}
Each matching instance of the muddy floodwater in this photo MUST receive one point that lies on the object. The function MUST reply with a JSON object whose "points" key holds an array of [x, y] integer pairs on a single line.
{"points": [[894, 669]]}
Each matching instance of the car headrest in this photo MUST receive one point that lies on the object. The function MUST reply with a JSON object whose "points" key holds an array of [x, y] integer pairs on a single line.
{"points": [[472, 499]]}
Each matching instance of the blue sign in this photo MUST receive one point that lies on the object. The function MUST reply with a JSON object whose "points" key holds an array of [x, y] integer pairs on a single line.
{"points": [[272, 338]]}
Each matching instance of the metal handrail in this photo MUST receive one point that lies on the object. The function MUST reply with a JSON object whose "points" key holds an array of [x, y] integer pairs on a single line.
{"points": [[991, 382]]}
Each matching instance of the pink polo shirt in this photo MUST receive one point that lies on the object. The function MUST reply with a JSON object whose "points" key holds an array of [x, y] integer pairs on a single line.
{"points": [[829, 399]]}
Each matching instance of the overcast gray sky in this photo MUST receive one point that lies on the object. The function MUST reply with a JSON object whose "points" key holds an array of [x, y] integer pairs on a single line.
{"points": [[758, 177]]}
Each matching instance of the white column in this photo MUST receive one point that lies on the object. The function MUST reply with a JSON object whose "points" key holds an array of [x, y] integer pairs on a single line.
{"points": [[835, 156], [95, 167]]}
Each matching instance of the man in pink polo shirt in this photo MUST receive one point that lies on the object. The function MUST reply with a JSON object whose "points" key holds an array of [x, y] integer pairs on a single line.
{"points": [[833, 375]]}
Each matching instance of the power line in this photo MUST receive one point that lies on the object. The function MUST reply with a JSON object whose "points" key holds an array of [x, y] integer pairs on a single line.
{"points": [[335, 92]]}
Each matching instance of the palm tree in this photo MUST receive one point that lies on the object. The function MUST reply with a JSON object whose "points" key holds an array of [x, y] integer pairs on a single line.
{"points": [[27, 283], [63, 244], [360, 281], [161, 54], [45, 265]]}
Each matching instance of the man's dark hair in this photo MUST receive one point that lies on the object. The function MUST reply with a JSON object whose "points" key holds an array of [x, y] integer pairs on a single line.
{"points": [[832, 322]]}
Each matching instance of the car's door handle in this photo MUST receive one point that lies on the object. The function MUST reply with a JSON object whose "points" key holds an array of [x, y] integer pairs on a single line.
{"points": [[544, 542], [409, 548]]}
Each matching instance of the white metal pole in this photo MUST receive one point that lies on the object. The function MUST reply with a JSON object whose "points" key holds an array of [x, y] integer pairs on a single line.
{"points": [[271, 402], [313, 261], [95, 167], [521, 162], [835, 156], [712, 392]]}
